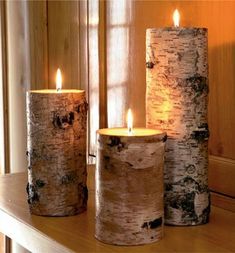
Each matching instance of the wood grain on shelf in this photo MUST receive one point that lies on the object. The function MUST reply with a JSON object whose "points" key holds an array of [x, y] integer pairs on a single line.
{"points": [[76, 233]]}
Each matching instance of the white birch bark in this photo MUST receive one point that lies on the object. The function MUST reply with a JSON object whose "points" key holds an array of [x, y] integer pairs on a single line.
{"points": [[176, 102], [56, 153], [129, 189]]}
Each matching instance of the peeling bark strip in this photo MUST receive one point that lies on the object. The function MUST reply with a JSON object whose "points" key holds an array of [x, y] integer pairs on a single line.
{"points": [[56, 153], [176, 102], [129, 189]]}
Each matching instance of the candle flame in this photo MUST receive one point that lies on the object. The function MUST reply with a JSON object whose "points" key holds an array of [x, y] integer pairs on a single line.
{"points": [[129, 121], [58, 80], [176, 18]]}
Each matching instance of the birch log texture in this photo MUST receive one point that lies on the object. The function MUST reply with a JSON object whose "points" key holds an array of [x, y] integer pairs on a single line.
{"points": [[176, 102], [56, 124], [129, 188]]}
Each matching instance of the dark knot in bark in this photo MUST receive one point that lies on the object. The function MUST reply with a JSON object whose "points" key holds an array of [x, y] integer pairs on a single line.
{"points": [[40, 183], [82, 107], [198, 84], [69, 178], [106, 158], [32, 194], [185, 201], [164, 139], [114, 141], [190, 168], [149, 65], [168, 187], [200, 135], [152, 224], [36, 155], [83, 190], [206, 212], [63, 121], [85, 194]]}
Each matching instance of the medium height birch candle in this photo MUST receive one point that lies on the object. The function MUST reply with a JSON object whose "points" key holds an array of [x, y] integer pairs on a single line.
{"points": [[129, 185], [56, 122], [176, 102]]}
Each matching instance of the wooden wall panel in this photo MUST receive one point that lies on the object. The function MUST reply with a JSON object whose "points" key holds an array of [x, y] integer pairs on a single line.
{"points": [[223, 201], [63, 42], [38, 44], [102, 65], [83, 44], [222, 175], [219, 18]]}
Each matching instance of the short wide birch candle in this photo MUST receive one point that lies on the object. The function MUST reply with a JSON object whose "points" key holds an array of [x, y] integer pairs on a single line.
{"points": [[176, 102], [56, 124], [129, 186]]}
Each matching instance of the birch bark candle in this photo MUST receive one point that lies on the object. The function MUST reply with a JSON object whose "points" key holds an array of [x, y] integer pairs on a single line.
{"points": [[56, 125], [176, 102], [129, 185]]}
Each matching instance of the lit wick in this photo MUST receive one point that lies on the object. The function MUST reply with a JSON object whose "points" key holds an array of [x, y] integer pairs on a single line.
{"points": [[129, 121], [176, 18], [58, 80]]}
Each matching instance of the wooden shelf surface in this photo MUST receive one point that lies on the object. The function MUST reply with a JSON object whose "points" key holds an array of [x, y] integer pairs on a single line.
{"points": [[76, 233]]}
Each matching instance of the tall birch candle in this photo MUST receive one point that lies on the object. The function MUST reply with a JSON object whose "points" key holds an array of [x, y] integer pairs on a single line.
{"points": [[56, 125], [176, 102], [129, 185]]}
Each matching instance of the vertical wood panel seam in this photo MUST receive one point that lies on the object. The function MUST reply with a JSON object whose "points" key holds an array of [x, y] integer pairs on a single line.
{"points": [[47, 39], [87, 84], [5, 88], [7, 244], [103, 115], [79, 45], [7, 240], [88, 81]]}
